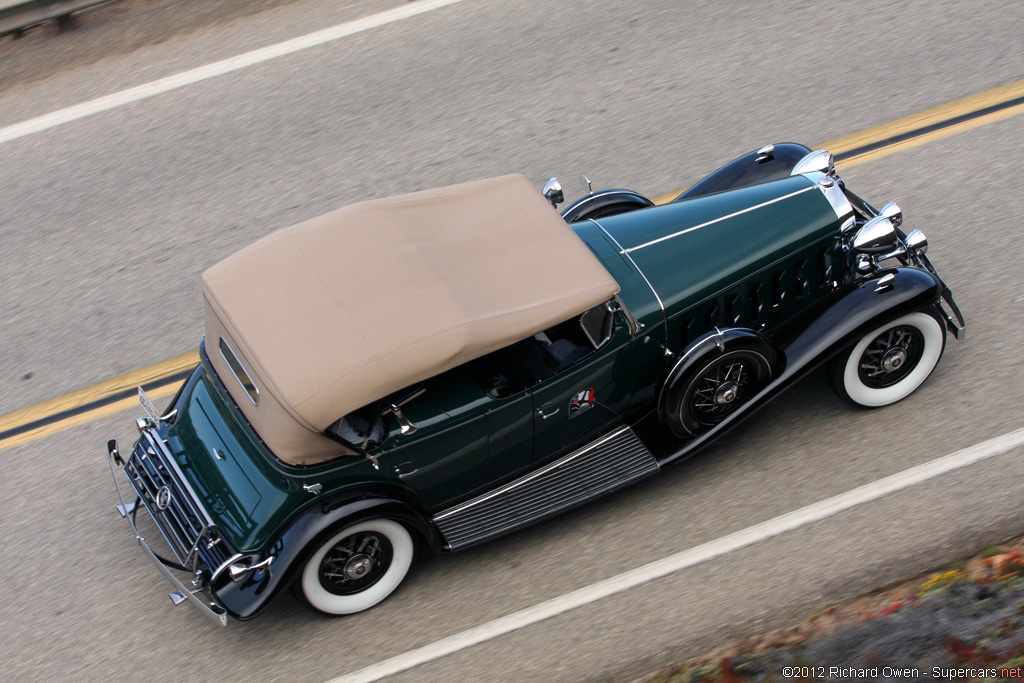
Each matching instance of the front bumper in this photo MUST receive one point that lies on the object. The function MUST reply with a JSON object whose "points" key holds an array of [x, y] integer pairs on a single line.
{"points": [[189, 554]]}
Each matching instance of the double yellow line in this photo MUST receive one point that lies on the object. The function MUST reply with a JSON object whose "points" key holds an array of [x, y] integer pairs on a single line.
{"points": [[921, 128], [85, 405], [162, 379]]}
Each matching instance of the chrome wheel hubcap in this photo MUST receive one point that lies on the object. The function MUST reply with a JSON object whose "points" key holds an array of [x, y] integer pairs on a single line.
{"points": [[726, 393], [893, 359], [358, 566]]}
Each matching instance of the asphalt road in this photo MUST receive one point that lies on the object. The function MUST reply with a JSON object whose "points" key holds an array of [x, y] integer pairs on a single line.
{"points": [[109, 220]]}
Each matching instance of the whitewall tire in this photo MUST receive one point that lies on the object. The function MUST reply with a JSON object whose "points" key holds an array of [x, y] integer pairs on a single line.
{"points": [[890, 362], [357, 567]]}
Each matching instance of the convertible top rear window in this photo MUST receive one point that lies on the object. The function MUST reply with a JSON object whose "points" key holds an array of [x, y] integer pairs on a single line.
{"points": [[240, 374]]}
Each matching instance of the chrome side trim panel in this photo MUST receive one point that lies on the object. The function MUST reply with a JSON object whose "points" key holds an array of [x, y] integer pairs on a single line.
{"points": [[608, 463]]}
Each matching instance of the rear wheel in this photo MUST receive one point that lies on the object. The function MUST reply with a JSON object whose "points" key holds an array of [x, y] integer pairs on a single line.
{"points": [[357, 567], [890, 362]]}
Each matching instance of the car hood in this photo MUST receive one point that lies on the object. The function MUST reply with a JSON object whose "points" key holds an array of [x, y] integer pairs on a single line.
{"points": [[693, 249]]}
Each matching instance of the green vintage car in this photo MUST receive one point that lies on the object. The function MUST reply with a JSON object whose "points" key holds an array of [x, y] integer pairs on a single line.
{"points": [[430, 371]]}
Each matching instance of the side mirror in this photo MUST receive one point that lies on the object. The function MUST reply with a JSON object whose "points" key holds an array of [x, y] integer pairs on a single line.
{"points": [[878, 235], [553, 192]]}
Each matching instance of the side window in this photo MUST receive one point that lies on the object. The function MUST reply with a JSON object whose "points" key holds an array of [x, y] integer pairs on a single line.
{"points": [[364, 428], [515, 368], [367, 428]]}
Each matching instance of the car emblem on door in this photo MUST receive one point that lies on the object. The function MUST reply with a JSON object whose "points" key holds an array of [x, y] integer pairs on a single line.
{"points": [[163, 498], [581, 401]]}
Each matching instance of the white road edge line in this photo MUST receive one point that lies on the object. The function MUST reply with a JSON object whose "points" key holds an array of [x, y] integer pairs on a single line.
{"points": [[162, 85], [687, 558]]}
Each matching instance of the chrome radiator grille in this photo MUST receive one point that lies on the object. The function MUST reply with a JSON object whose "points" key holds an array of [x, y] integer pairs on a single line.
{"points": [[173, 504]]}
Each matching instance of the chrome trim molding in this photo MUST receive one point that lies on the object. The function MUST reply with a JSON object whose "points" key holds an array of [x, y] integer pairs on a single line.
{"points": [[235, 365], [717, 220], [636, 268], [833, 193], [531, 476], [617, 304]]}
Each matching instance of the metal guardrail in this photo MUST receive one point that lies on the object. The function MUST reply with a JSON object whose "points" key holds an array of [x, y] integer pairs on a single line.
{"points": [[19, 14]]}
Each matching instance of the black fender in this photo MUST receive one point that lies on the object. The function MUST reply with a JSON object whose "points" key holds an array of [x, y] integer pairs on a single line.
{"points": [[851, 313], [605, 203], [870, 303], [245, 599], [695, 356], [750, 169]]}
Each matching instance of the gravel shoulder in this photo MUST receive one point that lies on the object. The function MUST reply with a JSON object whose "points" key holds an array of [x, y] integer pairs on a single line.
{"points": [[965, 622]]}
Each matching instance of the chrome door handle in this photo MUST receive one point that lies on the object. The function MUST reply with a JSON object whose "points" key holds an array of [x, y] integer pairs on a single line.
{"points": [[544, 416], [403, 472]]}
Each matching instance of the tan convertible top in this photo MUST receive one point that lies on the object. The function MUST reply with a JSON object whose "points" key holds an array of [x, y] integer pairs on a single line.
{"points": [[339, 311]]}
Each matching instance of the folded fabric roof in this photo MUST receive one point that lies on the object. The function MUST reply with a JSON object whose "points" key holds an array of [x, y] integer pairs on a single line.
{"points": [[331, 314]]}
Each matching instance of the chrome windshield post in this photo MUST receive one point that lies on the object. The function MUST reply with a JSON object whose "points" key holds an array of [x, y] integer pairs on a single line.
{"points": [[617, 304]]}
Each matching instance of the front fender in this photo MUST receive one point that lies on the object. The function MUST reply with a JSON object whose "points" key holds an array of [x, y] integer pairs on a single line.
{"points": [[851, 314], [883, 297], [247, 598]]}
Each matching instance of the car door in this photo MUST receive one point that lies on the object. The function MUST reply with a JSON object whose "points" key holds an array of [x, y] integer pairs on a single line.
{"points": [[579, 404], [444, 458]]}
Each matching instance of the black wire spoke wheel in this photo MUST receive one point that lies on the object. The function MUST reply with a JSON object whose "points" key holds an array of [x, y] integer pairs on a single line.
{"points": [[355, 563], [722, 390], [890, 357], [721, 387]]}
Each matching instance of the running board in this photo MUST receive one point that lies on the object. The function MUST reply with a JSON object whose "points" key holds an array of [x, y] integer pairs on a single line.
{"points": [[604, 465]]}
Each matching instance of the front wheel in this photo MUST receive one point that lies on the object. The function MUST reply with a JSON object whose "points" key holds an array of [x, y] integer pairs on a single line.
{"points": [[889, 363], [357, 567]]}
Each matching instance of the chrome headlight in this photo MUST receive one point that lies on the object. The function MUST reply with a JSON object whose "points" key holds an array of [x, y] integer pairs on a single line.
{"points": [[893, 213], [820, 161], [916, 241], [877, 236]]}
